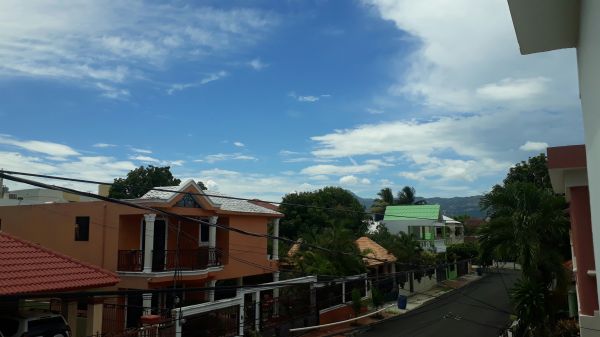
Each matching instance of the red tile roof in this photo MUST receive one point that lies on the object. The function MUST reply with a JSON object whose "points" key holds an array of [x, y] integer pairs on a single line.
{"points": [[26, 267], [373, 250]]}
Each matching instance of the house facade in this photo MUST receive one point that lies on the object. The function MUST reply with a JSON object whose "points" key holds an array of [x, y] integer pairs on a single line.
{"points": [[424, 222], [145, 248]]}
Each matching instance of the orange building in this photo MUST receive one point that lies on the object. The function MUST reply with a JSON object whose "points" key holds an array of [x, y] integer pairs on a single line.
{"points": [[145, 248]]}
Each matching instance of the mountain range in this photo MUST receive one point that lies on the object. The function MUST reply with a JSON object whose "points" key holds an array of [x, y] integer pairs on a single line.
{"points": [[450, 206]]}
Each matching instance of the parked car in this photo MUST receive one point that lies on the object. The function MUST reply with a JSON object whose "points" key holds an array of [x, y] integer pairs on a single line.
{"points": [[34, 324]]}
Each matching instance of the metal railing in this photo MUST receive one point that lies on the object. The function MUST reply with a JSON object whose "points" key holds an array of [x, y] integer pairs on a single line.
{"points": [[171, 259]]}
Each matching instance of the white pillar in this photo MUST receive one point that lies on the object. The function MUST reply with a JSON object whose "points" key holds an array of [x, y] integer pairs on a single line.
{"points": [[72, 315], [212, 240], [241, 313], [394, 275], [94, 319], [343, 291], [211, 293], [256, 299], [147, 303], [276, 241], [149, 241]]}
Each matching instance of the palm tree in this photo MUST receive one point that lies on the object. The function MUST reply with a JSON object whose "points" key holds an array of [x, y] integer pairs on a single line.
{"points": [[386, 195], [406, 196], [386, 198], [528, 225]]}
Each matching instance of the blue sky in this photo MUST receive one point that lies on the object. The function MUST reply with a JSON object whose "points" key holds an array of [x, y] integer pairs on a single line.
{"points": [[262, 98]]}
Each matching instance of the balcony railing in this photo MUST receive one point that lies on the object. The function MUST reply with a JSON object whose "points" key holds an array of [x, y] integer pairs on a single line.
{"points": [[167, 260], [131, 260]]}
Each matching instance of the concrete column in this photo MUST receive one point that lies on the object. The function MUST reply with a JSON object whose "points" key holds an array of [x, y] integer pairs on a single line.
{"points": [[212, 240], [147, 304], [211, 293], [94, 319], [72, 315], [276, 241], [394, 275], [149, 241], [588, 54], [256, 299], [241, 313], [343, 291], [276, 295]]}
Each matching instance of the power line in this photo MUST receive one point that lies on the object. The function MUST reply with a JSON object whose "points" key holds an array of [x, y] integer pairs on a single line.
{"points": [[157, 210], [335, 209]]}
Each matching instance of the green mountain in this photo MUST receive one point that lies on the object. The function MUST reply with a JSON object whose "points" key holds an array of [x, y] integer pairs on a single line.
{"points": [[450, 206]]}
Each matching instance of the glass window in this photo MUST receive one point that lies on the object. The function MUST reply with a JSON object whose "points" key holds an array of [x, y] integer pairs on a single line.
{"points": [[204, 232], [82, 228]]}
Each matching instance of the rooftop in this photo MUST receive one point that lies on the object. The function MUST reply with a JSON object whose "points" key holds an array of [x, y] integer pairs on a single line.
{"points": [[374, 251], [412, 212], [26, 267]]}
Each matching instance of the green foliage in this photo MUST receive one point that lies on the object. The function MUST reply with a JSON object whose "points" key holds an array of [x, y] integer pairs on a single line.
{"points": [[356, 301], [318, 262], [463, 251], [302, 222], [428, 258], [141, 180], [534, 170], [531, 299], [566, 328], [404, 247], [376, 297], [386, 198]]}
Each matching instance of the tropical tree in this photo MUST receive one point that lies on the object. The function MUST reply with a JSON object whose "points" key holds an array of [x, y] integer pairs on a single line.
{"points": [[140, 180], [406, 196], [310, 213], [403, 246]]}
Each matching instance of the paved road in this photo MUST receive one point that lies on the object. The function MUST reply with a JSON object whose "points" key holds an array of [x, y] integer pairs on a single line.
{"points": [[474, 310]]}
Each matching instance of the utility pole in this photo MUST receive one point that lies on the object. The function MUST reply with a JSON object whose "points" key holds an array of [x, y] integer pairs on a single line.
{"points": [[1, 186]]}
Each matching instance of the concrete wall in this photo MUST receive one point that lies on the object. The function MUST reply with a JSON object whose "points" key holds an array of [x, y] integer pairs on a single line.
{"points": [[588, 59], [396, 226]]}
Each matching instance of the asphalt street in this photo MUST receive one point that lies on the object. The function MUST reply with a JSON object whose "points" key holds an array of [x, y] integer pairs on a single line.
{"points": [[479, 309]]}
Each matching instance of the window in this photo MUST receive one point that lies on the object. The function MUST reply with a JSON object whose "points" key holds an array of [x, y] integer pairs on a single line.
{"points": [[82, 228]]}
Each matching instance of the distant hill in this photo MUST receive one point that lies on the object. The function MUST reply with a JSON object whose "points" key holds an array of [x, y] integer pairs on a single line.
{"points": [[450, 206]]}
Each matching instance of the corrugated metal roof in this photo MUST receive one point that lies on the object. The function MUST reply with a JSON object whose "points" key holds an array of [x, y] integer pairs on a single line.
{"points": [[216, 198], [412, 212], [26, 267]]}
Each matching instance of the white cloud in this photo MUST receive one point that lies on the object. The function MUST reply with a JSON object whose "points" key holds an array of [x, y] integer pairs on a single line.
{"points": [[146, 159], [209, 78], [49, 148], [239, 144], [465, 60], [351, 180], [339, 169], [257, 64], [511, 89], [213, 158], [152, 160], [113, 43], [138, 150], [103, 145], [533, 146], [308, 98]]}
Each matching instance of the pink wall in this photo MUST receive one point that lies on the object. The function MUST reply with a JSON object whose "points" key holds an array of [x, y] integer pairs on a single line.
{"points": [[581, 231]]}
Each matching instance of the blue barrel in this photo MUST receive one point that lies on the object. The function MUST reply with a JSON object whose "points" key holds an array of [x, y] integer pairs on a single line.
{"points": [[402, 301]]}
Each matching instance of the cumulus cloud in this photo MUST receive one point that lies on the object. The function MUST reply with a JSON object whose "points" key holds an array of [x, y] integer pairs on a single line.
{"points": [[107, 45], [465, 60], [324, 169], [533, 146], [353, 180]]}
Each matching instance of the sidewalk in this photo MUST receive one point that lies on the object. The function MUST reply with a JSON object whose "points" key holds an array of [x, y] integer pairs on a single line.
{"points": [[414, 301]]}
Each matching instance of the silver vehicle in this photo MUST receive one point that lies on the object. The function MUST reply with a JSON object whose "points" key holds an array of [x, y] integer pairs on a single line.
{"points": [[34, 324]]}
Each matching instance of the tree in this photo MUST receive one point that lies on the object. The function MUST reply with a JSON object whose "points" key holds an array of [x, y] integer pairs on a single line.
{"points": [[140, 180], [534, 170], [326, 207], [386, 195], [404, 247], [406, 196]]}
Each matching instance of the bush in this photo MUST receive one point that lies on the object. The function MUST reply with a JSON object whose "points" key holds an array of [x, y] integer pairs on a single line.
{"points": [[376, 298], [463, 251], [356, 301], [566, 328]]}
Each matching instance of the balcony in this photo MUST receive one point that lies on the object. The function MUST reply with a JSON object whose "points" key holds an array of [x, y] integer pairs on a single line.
{"points": [[169, 260]]}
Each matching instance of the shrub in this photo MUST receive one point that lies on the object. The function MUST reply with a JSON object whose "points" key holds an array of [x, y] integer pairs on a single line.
{"points": [[356, 301]]}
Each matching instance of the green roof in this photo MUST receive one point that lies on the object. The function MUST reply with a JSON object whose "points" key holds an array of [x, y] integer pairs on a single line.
{"points": [[412, 212]]}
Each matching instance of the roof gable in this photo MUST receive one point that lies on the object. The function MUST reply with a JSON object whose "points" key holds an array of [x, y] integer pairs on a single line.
{"points": [[374, 251], [26, 267], [412, 212]]}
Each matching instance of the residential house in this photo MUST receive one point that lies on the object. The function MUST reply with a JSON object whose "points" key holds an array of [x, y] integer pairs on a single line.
{"points": [[28, 269], [425, 222], [378, 261], [145, 248], [455, 232], [546, 25], [569, 176]]}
